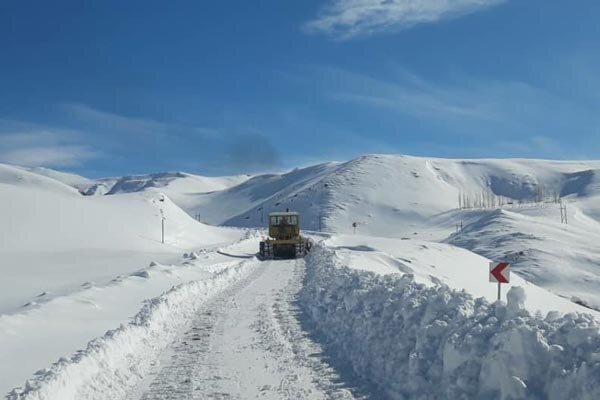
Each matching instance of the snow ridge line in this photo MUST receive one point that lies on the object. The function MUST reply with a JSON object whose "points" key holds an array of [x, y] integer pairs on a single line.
{"points": [[410, 341], [111, 366]]}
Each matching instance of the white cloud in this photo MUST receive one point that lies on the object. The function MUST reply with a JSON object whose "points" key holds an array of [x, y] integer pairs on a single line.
{"points": [[33, 145], [345, 19], [93, 133], [411, 95], [48, 156], [105, 121], [535, 119], [136, 128]]}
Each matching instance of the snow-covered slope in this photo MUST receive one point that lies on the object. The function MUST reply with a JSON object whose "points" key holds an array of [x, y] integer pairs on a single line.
{"points": [[72, 266], [76, 181], [403, 196], [248, 204], [560, 257], [12, 177], [55, 239], [178, 185], [433, 264], [65, 253], [385, 194]]}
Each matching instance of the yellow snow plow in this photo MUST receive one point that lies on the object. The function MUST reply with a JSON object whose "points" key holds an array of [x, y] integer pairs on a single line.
{"points": [[284, 239]]}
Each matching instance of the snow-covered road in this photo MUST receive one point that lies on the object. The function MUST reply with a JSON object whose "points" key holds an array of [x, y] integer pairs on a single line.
{"points": [[247, 343]]}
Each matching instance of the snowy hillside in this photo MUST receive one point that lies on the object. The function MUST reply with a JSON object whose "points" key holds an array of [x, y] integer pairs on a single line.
{"points": [[248, 204], [76, 181], [16, 177], [385, 194], [403, 196], [403, 299], [57, 244], [177, 184], [434, 264], [562, 258], [50, 222]]}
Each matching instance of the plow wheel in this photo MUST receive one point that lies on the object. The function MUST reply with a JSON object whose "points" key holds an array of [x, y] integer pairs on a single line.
{"points": [[265, 250]]}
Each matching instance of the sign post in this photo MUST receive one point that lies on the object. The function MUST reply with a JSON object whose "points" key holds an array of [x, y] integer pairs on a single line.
{"points": [[499, 273]]}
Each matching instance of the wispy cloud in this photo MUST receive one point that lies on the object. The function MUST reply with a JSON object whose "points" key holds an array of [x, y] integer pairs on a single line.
{"points": [[409, 94], [48, 156], [114, 123], [346, 19], [460, 111], [136, 128], [34, 145], [465, 103]]}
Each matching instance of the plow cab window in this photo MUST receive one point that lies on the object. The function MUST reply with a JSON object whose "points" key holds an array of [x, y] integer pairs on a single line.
{"points": [[280, 220]]}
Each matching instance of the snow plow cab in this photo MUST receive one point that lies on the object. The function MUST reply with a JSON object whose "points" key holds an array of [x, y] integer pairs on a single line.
{"points": [[284, 239]]}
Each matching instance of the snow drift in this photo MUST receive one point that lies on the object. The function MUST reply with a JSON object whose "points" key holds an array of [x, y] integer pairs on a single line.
{"points": [[111, 366], [410, 341]]}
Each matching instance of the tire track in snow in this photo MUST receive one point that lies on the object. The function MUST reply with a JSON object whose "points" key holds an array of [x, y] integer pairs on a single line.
{"points": [[248, 343], [186, 365], [112, 366]]}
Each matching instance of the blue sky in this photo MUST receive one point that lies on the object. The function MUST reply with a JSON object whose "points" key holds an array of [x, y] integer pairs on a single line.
{"points": [[111, 87]]}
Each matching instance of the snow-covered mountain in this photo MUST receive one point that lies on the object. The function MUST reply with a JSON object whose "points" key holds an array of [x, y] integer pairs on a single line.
{"points": [[76, 253], [55, 234], [403, 196], [178, 184], [385, 194]]}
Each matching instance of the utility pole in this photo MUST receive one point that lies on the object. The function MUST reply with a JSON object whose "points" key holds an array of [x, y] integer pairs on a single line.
{"points": [[162, 222], [459, 227], [320, 221], [563, 214]]}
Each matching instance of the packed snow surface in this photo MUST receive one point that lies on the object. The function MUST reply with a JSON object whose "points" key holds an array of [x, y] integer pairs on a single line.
{"points": [[235, 333], [110, 366]]}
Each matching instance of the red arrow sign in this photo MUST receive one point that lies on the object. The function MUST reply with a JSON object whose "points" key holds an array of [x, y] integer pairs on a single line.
{"points": [[500, 272]]}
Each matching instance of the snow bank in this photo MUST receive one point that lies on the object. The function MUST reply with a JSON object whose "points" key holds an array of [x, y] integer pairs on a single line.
{"points": [[111, 366], [411, 341]]}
